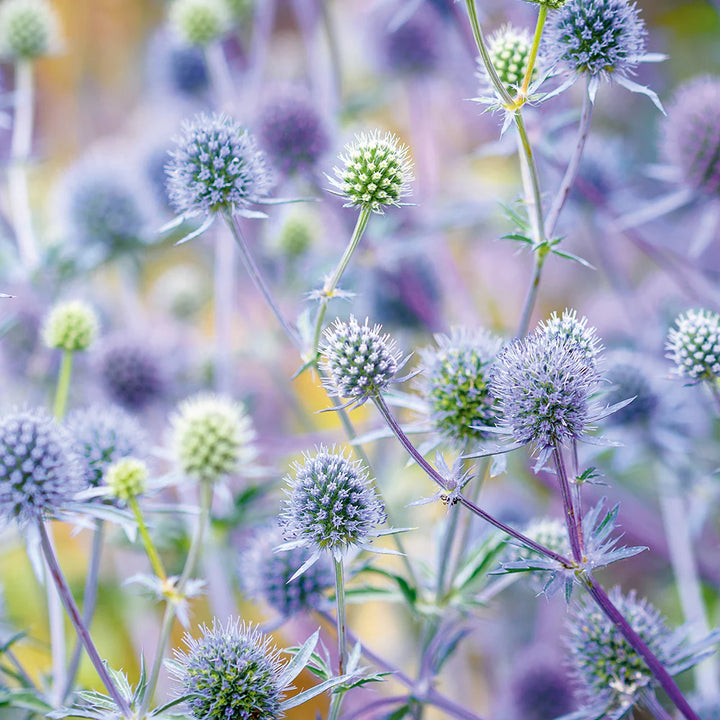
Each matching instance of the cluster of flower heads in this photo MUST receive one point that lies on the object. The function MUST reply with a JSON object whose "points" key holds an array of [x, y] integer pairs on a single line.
{"points": [[358, 360], [216, 167], [38, 471], [213, 437], [232, 671], [29, 29], [694, 345], [330, 506], [543, 383], [454, 382], [376, 172], [691, 137]]}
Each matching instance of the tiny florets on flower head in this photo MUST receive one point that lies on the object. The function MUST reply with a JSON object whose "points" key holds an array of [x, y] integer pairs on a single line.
{"points": [[127, 478], [38, 471], [213, 437], [454, 382], [694, 345], [552, 4], [28, 29], [543, 384], [376, 172], [595, 37], [70, 326], [216, 167], [358, 359], [331, 505], [200, 22], [691, 137], [232, 671], [567, 330], [540, 690], [102, 435], [509, 50]]}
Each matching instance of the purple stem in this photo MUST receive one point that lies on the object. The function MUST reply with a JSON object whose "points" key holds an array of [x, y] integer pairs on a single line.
{"points": [[570, 518], [77, 621]]}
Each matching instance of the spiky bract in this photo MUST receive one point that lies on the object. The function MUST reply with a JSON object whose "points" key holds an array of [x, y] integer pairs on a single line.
{"points": [[694, 345]]}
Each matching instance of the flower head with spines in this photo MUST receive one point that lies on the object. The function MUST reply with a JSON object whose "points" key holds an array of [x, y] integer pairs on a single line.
{"points": [[358, 360], [691, 134], [552, 4], [216, 167], [127, 478], [102, 435], [200, 22], [232, 671], [568, 330], [694, 345], [29, 29], [454, 382], [330, 506], [376, 172], [71, 326], [597, 40], [39, 473], [213, 437], [543, 385], [630, 376], [509, 50], [414, 47]]}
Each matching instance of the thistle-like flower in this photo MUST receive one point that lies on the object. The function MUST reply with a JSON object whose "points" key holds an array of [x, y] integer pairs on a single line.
{"points": [[413, 48], [38, 471], [212, 437], [200, 22], [691, 137], [269, 576], [232, 671], [29, 29], [540, 690], [127, 478], [376, 172], [102, 435], [597, 40], [454, 383], [70, 326], [330, 506], [543, 385], [509, 49], [567, 330], [694, 345], [552, 4], [292, 132], [359, 361], [216, 167], [611, 675], [630, 377]]}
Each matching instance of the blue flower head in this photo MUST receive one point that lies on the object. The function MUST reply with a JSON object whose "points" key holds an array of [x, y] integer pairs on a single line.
{"points": [[216, 167], [694, 345]]}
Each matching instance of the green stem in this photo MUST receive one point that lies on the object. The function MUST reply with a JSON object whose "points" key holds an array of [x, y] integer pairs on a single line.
{"points": [[444, 557], [150, 549], [542, 16], [330, 286], [63, 385], [341, 623]]}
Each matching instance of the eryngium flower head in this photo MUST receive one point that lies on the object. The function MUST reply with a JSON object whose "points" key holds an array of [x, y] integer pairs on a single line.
{"points": [[570, 332], [543, 384], [216, 167], [212, 437], [599, 38], [509, 50], [127, 478], [608, 670], [540, 691], [694, 345], [376, 172], [630, 376], [292, 132], [38, 471], [454, 382], [233, 671], [413, 48], [102, 435], [552, 4], [28, 29], [358, 360], [267, 575], [691, 138], [330, 505], [200, 22], [131, 373], [70, 326]]}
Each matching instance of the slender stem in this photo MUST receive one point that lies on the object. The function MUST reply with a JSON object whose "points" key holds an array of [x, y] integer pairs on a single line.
{"points": [[21, 672], [259, 281], [150, 548], [223, 307], [220, 76], [341, 616], [535, 202], [63, 385], [573, 166], [89, 602], [440, 480], [568, 506], [77, 621], [57, 638], [654, 706], [542, 16], [206, 494], [334, 50], [715, 390], [331, 284], [532, 294], [639, 645], [445, 553], [20, 148]]}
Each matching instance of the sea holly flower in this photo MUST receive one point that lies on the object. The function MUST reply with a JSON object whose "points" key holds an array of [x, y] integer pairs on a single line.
{"points": [[597, 40], [200, 22], [509, 50], [29, 29], [71, 326], [694, 345]]}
